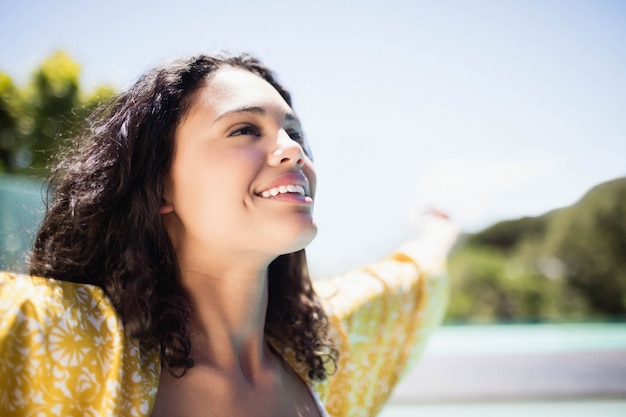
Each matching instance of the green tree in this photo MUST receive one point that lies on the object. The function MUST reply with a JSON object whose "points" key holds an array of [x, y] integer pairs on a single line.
{"points": [[568, 263], [589, 239], [54, 94], [36, 120], [9, 110]]}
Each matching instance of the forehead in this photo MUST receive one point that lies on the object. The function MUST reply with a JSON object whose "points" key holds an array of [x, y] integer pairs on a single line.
{"points": [[233, 88]]}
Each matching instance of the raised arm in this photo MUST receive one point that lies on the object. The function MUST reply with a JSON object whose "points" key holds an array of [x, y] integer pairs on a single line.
{"points": [[381, 316]]}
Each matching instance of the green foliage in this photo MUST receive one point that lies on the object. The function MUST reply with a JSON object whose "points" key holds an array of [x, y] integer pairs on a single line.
{"points": [[36, 119], [569, 263], [10, 104], [53, 95], [508, 234], [589, 239]]}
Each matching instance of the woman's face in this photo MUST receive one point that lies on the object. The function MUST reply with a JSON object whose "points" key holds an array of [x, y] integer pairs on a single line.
{"points": [[240, 182]]}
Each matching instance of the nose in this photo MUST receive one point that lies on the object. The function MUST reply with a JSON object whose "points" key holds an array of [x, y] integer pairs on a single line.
{"points": [[286, 151]]}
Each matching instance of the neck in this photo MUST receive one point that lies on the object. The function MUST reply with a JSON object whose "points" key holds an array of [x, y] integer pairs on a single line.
{"points": [[228, 317]]}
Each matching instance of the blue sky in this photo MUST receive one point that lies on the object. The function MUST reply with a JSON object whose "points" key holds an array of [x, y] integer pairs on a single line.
{"points": [[489, 110]]}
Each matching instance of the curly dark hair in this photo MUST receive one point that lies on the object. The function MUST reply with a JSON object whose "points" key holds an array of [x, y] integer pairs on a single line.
{"points": [[103, 227]]}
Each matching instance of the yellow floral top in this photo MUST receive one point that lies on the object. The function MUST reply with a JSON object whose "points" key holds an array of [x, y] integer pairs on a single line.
{"points": [[63, 351]]}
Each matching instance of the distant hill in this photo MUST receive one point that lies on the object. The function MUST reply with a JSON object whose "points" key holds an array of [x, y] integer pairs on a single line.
{"points": [[568, 263]]}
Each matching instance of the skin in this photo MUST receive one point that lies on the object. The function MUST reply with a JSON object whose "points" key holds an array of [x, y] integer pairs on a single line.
{"points": [[238, 138]]}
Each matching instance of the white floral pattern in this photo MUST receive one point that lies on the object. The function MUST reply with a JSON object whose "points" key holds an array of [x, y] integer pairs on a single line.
{"points": [[63, 351]]}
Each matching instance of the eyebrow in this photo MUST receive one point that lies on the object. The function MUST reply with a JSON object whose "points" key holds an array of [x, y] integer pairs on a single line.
{"points": [[256, 110]]}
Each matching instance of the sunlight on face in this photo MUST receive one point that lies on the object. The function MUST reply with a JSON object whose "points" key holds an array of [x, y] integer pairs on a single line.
{"points": [[240, 182]]}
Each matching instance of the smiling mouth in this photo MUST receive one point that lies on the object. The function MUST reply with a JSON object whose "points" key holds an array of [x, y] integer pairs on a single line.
{"points": [[284, 189]]}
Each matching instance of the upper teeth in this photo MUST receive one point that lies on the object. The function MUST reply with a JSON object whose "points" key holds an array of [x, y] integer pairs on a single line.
{"points": [[293, 188]]}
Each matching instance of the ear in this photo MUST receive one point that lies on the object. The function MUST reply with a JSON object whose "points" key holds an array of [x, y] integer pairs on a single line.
{"points": [[166, 208], [166, 205]]}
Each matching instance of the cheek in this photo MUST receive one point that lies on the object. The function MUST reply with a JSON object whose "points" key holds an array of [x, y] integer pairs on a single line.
{"points": [[206, 210], [212, 181], [214, 186]]}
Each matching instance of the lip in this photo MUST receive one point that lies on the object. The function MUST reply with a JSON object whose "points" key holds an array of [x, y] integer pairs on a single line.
{"points": [[292, 178]]}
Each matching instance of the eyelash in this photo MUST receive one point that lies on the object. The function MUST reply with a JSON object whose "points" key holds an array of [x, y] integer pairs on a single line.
{"points": [[295, 135], [246, 130]]}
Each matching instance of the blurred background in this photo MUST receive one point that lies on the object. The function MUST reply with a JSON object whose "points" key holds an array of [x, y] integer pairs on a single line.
{"points": [[507, 115]]}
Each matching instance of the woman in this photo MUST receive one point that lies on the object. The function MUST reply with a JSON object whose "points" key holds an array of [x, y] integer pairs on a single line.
{"points": [[185, 209]]}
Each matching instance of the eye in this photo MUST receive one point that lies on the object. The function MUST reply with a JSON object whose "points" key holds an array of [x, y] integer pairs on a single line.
{"points": [[296, 135], [247, 130]]}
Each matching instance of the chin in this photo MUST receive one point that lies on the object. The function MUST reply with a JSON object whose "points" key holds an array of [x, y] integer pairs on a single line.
{"points": [[301, 240]]}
